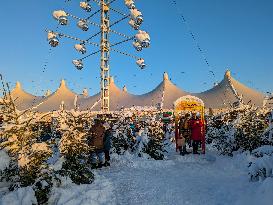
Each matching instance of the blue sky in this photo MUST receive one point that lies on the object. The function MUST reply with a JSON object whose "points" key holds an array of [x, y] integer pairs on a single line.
{"points": [[235, 34]]}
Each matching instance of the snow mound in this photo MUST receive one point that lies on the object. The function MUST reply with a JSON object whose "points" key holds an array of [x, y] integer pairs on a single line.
{"points": [[261, 168], [264, 150], [101, 192], [144, 162], [22, 196], [263, 195]]}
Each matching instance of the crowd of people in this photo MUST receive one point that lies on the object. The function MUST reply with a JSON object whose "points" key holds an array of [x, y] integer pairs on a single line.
{"points": [[191, 131]]}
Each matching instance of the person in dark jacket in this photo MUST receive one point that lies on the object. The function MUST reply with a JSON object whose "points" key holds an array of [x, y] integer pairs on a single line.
{"points": [[184, 131], [1, 120], [196, 127], [107, 143], [96, 140]]}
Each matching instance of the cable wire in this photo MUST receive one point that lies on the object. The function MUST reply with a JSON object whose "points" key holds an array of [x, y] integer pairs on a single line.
{"points": [[96, 2], [125, 17], [76, 39], [118, 43], [126, 54], [111, 2], [119, 12], [93, 36], [91, 54], [192, 35], [81, 19], [120, 34], [93, 14]]}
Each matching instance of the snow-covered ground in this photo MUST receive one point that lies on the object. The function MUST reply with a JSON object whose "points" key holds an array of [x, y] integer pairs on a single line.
{"points": [[179, 180], [186, 180]]}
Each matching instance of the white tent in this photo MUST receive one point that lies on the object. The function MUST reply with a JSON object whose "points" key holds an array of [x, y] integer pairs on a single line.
{"points": [[223, 95], [53, 101], [163, 95], [118, 99], [22, 99], [227, 92]]}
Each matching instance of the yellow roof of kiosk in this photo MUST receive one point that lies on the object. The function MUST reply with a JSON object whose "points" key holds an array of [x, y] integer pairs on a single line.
{"points": [[188, 103]]}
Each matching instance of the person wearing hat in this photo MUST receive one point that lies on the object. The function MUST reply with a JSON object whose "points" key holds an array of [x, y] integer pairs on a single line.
{"points": [[96, 140]]}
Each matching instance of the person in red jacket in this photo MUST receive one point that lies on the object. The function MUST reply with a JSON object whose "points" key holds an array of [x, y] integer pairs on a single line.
{"points": [[196, 127]]}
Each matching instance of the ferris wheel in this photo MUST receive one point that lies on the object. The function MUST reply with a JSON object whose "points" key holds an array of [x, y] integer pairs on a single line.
{"points": [[141, 40]]}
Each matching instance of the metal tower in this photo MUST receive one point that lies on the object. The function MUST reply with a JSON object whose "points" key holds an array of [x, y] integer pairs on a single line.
{"points": [[105, 54], [140, 40]]}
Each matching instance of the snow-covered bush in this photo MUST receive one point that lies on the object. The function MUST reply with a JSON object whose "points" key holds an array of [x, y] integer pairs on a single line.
{"points": [[22, 196], [123, 139], [250, 129], [237, 129], [221, 135], [261, 163], [155, 146], [139, 132]]}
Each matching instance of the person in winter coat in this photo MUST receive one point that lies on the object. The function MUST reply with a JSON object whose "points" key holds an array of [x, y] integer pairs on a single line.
{"points": [[107, 143], [96, 140], [184, 131], [1, 120], [180, 140], [196, 127]]}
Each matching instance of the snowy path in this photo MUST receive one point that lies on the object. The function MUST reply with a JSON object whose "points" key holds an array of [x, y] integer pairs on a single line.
{"points": [[182, 180]]}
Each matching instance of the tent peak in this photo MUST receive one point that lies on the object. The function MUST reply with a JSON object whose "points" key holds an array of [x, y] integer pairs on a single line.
{"points": [[63, 83], [18, 85], [228, 74], [85, 92], [124, 89], [48, 93], [165, 76]]}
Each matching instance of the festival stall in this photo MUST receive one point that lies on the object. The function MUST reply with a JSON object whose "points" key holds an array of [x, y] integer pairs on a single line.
{"points": [[185, 105]]}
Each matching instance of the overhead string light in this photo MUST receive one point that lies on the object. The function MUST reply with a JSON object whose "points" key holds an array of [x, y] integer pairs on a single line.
{"points": [[202, 53]]}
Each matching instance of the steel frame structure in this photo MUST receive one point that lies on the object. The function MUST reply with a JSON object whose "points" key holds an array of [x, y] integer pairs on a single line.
{"points": [[105, 56], [104, 46]]}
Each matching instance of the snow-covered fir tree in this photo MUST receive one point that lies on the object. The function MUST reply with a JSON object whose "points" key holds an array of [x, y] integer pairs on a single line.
{"points": [[74, 126], [20, 138]]}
